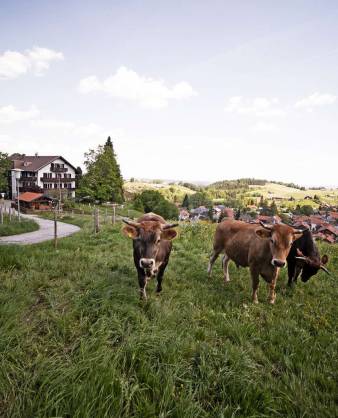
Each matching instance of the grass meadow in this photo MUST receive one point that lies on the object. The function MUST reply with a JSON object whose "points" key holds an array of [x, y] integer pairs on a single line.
{"points": [[13, 226], [76, 341]]}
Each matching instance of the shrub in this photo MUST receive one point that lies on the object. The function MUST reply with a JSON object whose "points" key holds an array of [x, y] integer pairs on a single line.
{"points": [[153, 201]]}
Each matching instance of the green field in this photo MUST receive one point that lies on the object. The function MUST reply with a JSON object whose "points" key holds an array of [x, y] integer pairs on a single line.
{"points": [[272, 190], [172, 192], [13, 226], [77, 342], [282, 194]]}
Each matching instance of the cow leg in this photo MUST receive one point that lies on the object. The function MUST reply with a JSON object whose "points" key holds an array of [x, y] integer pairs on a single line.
{"points": [[160, 278], [272, 286], [255, 284], [142, 281], [291, 272], [298, 269], [213, 258], [225, 263]]}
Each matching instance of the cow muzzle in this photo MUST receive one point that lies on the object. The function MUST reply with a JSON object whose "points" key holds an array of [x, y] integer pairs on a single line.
{"points": [[278, 263], [147, 263]]}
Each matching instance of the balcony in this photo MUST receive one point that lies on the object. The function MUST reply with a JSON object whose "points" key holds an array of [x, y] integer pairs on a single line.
{"points": [[58, 169], [34, 189], [56, 180], [28, 178]]}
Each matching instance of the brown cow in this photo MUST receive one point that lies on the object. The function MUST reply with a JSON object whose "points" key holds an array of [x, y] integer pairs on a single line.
{"points": [[152, 246], [261, 248]]}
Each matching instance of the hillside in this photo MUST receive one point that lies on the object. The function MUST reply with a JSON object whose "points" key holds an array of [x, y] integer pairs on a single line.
{"points": [[242, 189], [284, 193], [172, 192]]}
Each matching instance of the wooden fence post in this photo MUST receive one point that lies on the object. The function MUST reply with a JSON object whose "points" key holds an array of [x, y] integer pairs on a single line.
{"points": [[96, 221], [1, 215], [55, 230], [114, 214], [105, 216], [10, 214]]}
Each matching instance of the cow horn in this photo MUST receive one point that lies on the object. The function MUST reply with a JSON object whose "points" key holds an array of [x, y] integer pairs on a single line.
{"points": [[301, 258], [269, 227], [300, 231], [168, 226], [131, 223], [325, 269]]}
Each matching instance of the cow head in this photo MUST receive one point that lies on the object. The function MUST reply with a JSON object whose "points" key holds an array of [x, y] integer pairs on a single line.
{"points": [[147, 236], [280, 238], [311, 265]]}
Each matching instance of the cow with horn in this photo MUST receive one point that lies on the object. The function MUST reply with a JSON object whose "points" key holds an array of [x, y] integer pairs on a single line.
{"points": [[304, 259], [152, 245], [263, 248]]}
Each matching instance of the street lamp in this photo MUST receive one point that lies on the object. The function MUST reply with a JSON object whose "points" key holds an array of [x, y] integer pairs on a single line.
{"points": [[17, 174]]}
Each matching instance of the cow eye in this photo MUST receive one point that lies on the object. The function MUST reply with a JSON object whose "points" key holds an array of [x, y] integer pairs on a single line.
{"points": [[271, 239], [158, 240]]}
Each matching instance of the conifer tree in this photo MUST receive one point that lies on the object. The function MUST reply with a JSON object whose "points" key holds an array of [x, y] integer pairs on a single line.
{"points": [[186, 202], [103, 180]]}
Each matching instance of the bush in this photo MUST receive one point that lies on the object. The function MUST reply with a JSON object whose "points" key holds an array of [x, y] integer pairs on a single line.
{"points": [[200, 199], [306, 210], [153, 201]]}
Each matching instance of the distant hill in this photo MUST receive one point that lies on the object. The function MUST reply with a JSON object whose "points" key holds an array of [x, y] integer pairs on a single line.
{"points": [[244, 183], [173, 192], [245, 189]]}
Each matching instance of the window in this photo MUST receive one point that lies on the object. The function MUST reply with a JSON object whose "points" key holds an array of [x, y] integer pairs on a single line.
{"points": [[55, 186]]}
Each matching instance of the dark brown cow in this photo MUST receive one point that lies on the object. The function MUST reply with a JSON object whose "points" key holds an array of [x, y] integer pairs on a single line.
{"points": [[261, 248], [152, 246], [304, 258]]}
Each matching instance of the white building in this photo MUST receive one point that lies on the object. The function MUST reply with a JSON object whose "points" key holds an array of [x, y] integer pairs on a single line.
{"points": [[52, 175]]}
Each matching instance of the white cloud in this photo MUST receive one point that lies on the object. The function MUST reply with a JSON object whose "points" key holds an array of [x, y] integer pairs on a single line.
{"points": [[10, 114], [258, 106], [52, 124], [264, 127], [70, 128], [36, 60], [146, 91], [315, 100]]}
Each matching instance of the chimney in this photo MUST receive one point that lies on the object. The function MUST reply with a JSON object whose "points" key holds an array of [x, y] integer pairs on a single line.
{"points": [[36, 154]]}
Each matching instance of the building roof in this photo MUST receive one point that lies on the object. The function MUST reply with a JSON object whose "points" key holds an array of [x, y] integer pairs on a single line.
{"points": [[34, 162], [29, 196], [329, 228], [334, 215]]}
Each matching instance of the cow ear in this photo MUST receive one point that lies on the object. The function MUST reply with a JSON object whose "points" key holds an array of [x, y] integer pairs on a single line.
{"points": [[168, 234], [324, 259], [130, 231], [263, 233]]}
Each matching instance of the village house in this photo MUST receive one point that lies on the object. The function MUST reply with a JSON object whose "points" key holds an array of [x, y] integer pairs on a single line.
{"points": [[30, 202], [53, 176], [328, 233], [200, 213], [183, 215]]}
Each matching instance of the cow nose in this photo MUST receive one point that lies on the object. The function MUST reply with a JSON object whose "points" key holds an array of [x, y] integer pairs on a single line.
{"points": [[146, 262], [278, 263]]}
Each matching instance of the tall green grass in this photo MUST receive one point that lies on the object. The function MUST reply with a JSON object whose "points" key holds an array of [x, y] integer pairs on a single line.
{"points": [[13, 226], [77, 342]]}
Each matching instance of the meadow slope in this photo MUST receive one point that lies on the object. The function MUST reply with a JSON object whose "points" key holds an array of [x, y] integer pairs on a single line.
{"points": [[77, 342]]}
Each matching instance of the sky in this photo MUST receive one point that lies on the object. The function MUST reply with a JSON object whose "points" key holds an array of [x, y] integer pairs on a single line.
{"points": [[193, 90]]}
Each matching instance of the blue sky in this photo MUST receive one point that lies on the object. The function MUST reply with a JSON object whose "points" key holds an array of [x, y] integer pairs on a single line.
{"points": [[189, 90]]}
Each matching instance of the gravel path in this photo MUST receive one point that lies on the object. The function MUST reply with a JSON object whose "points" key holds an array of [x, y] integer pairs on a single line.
{"points": [[44, 233]]}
